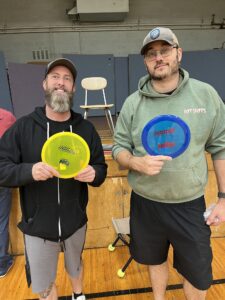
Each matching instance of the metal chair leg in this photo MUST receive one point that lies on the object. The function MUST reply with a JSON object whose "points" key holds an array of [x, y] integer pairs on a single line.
{"points": [[85, 114], [127, 264], [121, 272], [109, 120], [116, 240]]}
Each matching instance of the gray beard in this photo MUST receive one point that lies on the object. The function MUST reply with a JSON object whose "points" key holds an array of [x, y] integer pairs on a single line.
{"points": [[59, 102]]}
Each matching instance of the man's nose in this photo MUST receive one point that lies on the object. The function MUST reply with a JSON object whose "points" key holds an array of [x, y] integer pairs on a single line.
{"points": [[60, 81], [158, 55]]}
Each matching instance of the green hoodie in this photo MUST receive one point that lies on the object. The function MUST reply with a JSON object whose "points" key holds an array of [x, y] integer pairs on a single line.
{"points": [[198, 104]]}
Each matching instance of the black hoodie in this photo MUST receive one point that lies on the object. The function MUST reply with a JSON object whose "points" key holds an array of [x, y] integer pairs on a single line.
{"points": [[44, 203]]}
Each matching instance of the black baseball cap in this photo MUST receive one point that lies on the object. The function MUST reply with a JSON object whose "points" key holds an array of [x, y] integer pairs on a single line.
{"points": [[62, 62]]}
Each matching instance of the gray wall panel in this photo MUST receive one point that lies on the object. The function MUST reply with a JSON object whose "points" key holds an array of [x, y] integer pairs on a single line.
{"points": [[121, 80], [26, 87], [208, 66], [136, 71], [5, 99]]}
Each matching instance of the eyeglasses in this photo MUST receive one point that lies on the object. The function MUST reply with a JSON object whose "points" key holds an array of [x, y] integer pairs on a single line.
{"points": [[164, 52]]}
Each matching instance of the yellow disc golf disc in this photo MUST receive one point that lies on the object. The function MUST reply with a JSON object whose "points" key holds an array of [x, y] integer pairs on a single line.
{"points": [[67, 152]]}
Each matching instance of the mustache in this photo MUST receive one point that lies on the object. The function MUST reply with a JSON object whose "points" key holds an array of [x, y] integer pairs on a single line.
{"points": [[159, 63], [55, 90], [53, 93]]}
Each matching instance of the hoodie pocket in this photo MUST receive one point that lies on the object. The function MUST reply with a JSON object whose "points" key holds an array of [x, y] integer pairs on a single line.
{"points": [[44, 223], [172, 184], [73, 215]]}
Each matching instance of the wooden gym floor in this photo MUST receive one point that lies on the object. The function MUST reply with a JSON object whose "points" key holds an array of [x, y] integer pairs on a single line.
{"points": [[101, 280]]}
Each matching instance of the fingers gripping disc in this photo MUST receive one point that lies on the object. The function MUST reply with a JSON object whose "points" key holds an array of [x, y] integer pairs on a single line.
{"points": [[67, 152]]}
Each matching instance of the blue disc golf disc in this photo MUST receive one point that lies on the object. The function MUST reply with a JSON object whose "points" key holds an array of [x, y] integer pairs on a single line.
{"points": [[166, 135]]}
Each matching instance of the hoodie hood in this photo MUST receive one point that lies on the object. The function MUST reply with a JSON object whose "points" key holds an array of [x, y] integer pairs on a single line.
{"points": [[39, 117], [145, 87]]}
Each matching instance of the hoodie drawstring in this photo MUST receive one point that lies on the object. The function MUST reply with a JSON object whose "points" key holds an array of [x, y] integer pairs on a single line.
{"points": [[48, 129]]}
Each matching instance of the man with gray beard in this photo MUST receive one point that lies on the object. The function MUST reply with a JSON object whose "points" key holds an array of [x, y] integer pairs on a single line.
{"points": [[59, 103], [54, 214]]}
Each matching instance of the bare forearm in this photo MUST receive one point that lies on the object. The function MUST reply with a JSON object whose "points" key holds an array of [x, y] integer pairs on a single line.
{"points": [[123, 158], [128, 161], [219, 167]]}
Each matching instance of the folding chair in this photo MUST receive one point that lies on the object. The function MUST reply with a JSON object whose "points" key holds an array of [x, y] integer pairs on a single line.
{"points": [[97, 84], [122, 228]]}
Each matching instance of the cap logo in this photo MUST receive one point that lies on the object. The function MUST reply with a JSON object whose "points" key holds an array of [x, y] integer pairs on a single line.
{"points": [[154, 34]]}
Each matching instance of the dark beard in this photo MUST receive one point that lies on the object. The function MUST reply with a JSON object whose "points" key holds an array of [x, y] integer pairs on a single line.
{"points": [[59, 103], [157, 78], [174, 70]]}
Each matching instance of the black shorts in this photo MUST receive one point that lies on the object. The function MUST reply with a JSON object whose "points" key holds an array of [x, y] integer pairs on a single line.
{"points": [[154, 226]]}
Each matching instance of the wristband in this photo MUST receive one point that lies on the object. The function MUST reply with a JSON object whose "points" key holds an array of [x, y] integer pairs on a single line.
{"points": [[221, 195]]}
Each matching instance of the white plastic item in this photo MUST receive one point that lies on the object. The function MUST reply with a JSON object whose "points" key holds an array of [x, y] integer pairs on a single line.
{"points": [[208, 211]]}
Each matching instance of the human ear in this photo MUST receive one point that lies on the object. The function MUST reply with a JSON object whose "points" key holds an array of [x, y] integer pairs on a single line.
{"points": [[44, 84], [179, 52]]}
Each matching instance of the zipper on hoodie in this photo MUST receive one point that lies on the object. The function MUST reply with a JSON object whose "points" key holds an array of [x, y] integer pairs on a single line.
{"points": [[58, 188], [59, 221], [58, 193]]}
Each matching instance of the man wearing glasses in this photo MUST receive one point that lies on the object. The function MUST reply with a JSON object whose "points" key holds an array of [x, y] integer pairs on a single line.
{"points": [[167, 199]]}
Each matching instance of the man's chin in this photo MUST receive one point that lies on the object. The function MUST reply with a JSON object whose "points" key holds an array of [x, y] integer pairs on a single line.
{"points": [[60, 111], [159, 77]]}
